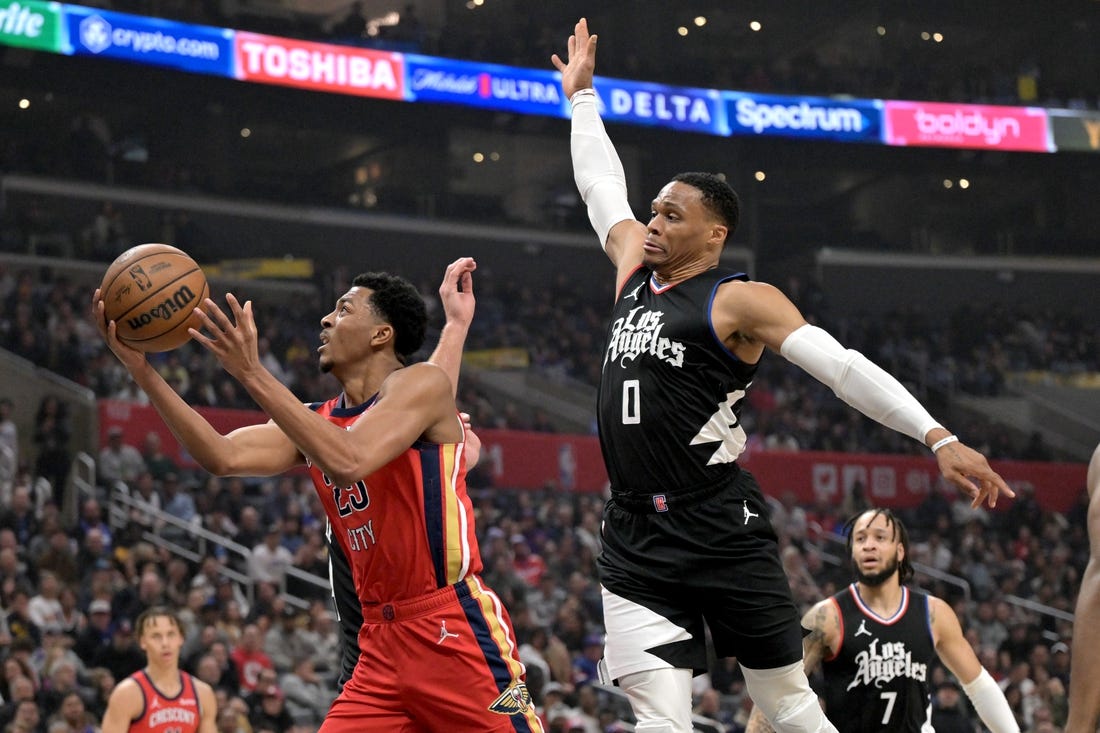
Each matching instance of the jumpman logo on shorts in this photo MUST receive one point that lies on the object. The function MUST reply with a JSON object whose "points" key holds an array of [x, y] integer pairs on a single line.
{"points": [[748, 514], [862, 628], [443, 633]]}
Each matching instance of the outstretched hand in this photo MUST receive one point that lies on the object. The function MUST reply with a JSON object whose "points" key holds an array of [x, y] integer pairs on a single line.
{"points": [[577, 73], [457, 291], [233, 342], [969, 470]]}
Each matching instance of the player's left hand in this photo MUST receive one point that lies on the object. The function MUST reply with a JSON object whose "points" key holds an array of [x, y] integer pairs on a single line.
{"points": [[457, 291], [969, 470], [232, 341]]}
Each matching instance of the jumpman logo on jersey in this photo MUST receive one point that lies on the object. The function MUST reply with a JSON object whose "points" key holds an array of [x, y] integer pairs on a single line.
{"points": [[633, 293], [862, 628], [749, 514], [443, 633]]}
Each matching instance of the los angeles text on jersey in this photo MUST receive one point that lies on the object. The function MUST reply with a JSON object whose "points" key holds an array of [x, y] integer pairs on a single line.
{"points": [[880, 664], [172, 715], [348, 501], [639, 332]]}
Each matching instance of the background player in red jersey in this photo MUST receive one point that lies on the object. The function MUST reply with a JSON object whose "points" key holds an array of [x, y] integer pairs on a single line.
{"points": [[387, 458], [161, 697], [1084, 680]]}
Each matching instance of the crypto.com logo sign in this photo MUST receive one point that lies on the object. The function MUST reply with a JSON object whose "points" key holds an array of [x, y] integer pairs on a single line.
{"points": [[974, 126]]}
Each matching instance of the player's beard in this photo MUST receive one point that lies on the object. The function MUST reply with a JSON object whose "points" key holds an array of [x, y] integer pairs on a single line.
{"points": [[876, 579]]}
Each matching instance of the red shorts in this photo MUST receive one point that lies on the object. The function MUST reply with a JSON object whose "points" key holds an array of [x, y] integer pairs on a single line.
{"points": [[446, 661]]}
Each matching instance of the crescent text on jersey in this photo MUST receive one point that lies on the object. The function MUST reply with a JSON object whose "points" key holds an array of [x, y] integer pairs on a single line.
{"points": [[639, 332], [878, 664]]}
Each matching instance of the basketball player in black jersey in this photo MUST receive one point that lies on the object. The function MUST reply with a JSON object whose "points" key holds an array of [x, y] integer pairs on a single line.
{"points": [[877, 639], [686, 540], [1084, 679], [458, 306]]}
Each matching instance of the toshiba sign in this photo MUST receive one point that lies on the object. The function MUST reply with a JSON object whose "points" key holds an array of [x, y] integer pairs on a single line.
{"points": [[972, 126], [319, 66]]}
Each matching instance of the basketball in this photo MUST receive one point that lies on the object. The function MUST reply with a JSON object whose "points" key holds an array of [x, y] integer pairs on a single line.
{"points": [[150, 291]]}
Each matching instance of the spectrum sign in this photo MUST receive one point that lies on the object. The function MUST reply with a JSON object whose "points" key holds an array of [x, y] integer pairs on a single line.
{"points": [[818, 118], [972, 126]]}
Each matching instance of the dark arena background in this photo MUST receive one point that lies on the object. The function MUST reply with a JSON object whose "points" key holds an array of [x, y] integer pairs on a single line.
{"points": [[919, 178]]}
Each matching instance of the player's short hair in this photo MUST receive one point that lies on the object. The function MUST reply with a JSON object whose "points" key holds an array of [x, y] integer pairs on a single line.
{"points": [[717, 195], [901, 534], [147, 616], [398, 302]]}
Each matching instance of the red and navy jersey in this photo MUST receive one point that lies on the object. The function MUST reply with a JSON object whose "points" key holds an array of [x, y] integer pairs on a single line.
{"points": [[408, 528], [163, 714], [878, 679]]}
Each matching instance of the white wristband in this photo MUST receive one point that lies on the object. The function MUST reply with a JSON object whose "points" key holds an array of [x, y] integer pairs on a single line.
{"points": [[587, 92], [944, 441]]}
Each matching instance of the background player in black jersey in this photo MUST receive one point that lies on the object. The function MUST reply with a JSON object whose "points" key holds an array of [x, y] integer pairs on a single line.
{"points": [[877, 640], [1084, 680], [686, 541], [458, 306]]}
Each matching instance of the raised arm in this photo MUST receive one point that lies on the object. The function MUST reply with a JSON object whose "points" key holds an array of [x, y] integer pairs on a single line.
{"points": [[823, 640], [596, 166], [457, 294], [957, 655], [753, 315], [256, 450]]}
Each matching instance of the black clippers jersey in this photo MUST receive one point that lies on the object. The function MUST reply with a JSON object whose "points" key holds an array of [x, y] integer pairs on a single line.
{"points": [[878, 681], [670, 393]]}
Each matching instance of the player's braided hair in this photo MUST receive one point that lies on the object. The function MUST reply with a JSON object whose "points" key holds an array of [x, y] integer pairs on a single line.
{"points": [[901, 534]]}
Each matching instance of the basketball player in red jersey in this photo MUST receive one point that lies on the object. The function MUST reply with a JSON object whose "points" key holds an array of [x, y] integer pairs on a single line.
{"points": [[387, 456], [161, 698]]}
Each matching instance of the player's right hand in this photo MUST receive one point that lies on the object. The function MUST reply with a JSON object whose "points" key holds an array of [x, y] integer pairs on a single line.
{"points": [[578, 71], [130, 357]]}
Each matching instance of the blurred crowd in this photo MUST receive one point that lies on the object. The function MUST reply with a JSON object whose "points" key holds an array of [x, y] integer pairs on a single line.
{"points": [[262, 633]]}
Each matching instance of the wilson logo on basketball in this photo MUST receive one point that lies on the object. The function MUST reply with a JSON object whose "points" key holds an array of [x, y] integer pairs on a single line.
{"points": [[164, 310]]}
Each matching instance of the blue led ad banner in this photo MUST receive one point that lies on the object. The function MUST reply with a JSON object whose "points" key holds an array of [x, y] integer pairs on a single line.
{"points": [[657, 105], [253, 58], [194, 48], [819, 118], [492, 86]]}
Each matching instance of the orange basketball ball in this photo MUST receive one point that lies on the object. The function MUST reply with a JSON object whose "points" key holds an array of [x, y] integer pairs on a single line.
{"points": [[151, 291]]}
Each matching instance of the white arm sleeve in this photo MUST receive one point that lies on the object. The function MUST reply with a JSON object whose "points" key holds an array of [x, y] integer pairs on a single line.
{"points": [[597, 168], [990, 704], [858, 381]]}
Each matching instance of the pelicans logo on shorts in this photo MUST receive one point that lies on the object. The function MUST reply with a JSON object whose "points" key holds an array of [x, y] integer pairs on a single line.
{"points": [[516, 699]]}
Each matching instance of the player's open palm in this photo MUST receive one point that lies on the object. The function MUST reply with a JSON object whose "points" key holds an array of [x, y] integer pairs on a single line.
{"points": [[970, 471], [578, 71], [232, 341]]}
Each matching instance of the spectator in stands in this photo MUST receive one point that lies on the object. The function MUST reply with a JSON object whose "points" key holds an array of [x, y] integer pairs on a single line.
{"points": [[19, 689], [61, 680], [157, 462], [25, 633], [118, 460], [178, 503], [73, 619], [91, 519], [26, 718], [270, 559], [59, 555], [270, 715], [96, 635], [250, 658], [528, 565], [285, 643], [101, 684], [122, 657], [94, 555], [9, 434], [52, 434], [20, 516], [308, 697], [73, 715]]}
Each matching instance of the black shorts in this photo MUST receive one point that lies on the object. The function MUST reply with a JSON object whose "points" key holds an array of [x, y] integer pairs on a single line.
{"points": [[671, 563]]}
